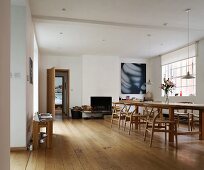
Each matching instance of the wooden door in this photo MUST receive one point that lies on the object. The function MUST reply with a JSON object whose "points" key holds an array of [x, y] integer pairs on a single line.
{"points": [[51, 91]]}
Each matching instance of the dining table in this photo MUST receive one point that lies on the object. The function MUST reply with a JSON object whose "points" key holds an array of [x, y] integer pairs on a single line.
{"points": [[171, 107]]}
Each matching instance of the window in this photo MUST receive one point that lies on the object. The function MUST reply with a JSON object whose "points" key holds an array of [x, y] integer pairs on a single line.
{"points": [[177, 68]]}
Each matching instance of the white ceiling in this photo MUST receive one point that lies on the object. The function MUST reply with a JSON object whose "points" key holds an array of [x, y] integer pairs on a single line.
{"points": [[115, 27]]}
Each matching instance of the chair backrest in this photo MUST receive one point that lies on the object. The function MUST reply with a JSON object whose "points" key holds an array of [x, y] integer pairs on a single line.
{"points": [[147, 110], [157, 115], [185, 110], [118, 108], [115, 109], [151, 113]]}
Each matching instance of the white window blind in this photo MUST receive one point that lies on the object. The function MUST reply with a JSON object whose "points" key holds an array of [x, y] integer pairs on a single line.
{"points": [[178, 55]]}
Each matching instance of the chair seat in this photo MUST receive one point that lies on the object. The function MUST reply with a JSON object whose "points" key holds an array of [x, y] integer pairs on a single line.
{"points": [[185, 114], [155, 123], [136, 119]]}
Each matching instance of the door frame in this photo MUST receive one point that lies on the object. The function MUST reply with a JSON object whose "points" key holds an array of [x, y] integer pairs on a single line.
{"points": [[67, 87]]}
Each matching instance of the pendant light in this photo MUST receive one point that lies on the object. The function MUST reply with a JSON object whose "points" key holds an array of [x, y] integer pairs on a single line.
{"points": [[149, 81], [188, 75]]}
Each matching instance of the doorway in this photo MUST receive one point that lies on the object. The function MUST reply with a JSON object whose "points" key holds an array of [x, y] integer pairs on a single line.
{"points": [[61, 92], [58, 92]]}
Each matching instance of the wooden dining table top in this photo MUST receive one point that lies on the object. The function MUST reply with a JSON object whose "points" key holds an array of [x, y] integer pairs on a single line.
{"points": [[164, 105]]}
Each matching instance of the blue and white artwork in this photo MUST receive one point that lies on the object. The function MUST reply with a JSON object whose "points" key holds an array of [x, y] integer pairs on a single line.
{"points": [[133, 78]]}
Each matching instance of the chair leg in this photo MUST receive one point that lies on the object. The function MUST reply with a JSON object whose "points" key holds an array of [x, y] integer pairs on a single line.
{"points": [[152, 134], [178, 120], [165, 133], [188, 122], [119, 123], [125, 124], [145, 133], [192, 123], [130, 126]]}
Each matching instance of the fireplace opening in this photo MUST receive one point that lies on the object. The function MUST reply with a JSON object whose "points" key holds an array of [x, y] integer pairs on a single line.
{"points": [[101, 104]]}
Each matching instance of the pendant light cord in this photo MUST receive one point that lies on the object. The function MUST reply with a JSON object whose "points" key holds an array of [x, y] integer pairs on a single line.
{"points": [[188, 10], [188, 40]]}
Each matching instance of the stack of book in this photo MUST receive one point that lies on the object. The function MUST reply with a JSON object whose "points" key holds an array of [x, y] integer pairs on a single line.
{"points": [[45, 116]]}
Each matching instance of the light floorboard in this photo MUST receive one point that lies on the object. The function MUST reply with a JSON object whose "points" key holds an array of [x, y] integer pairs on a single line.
{"points": [[92, 144]]}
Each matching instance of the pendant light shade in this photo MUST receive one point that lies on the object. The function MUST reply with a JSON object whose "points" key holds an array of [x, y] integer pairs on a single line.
{"points": [[188, 75], [149, 82]]}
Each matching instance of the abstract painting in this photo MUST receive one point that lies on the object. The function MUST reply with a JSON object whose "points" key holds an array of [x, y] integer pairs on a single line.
{"points": [[133, 78], [31, 70]]}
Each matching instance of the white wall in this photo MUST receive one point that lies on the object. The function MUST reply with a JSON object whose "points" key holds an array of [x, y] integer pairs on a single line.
{"points": [[90, 75], [22, 49], [156, 78], [35, 78], [5, 84], [200, 73], [74, 64], [155, 75], [18, 77], [101, 77], [30, 96]]}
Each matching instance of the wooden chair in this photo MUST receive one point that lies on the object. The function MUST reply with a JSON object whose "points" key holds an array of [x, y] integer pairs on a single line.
{"points": [[185, 114], [135, 118], [194, 119], [156, 124], [118, 114]]}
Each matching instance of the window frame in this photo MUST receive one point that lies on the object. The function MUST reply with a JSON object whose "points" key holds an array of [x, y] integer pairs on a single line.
{"points": [[183, 89]]}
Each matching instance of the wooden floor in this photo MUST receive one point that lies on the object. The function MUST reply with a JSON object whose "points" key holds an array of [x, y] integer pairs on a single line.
{"points": [[93, 145]]}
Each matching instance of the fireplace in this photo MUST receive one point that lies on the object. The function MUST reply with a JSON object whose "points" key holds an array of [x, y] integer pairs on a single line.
{"points": [[101, 104]]}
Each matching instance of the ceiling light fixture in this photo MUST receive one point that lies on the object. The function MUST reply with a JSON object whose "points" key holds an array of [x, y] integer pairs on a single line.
{"points": [[188, 75], [149, 81]]}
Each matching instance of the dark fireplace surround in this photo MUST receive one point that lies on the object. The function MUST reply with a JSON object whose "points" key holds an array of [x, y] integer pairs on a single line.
{"points": [[101, 104]]}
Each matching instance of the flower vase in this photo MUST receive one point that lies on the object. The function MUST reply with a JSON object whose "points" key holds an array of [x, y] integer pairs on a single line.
{"points": [[166, 98]]}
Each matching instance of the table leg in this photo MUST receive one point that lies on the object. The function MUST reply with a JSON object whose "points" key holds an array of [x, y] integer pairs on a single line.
{"points": [[171, 118], [201, 124], [49, 134], [35, 135], [136, 118]]}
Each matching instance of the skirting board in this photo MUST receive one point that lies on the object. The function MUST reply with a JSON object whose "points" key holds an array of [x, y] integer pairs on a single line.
{"points": [[18, 149]]}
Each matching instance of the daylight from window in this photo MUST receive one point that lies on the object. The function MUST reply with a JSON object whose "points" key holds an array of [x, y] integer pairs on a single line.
{"points": [[175, 71]]}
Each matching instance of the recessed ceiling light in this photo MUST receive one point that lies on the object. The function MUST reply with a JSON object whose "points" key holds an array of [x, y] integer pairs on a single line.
{"points": [[64, 9]]}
